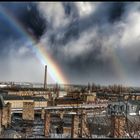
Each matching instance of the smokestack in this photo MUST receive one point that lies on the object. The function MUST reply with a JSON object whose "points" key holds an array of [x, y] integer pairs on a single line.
{"points": [[45, 77]]}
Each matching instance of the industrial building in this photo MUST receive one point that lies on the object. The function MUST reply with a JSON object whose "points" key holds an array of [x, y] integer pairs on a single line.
{"points": [[68, 111], [17, 101]]}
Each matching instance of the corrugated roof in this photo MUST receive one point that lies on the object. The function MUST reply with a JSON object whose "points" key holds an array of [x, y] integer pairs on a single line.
{"points": [[15, 97], [39, 98]]}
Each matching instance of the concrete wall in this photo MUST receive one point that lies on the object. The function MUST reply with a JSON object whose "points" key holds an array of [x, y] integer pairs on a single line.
{"points": [[19, 103], [90, 98], [5, 117], [41, 104], [46, 96]]}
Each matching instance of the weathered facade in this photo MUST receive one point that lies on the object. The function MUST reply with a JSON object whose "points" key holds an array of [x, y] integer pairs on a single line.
{"points": [[89, 98], [42, 113], [67, 101], [28, 111], [5, 115], [47, 124], [17, 101], [75, 126]]}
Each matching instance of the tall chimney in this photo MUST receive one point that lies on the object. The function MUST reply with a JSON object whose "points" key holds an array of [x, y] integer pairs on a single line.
{"points": [[45, 77]]}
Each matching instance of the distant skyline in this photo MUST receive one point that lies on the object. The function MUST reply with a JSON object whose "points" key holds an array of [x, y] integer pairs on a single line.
{"points": [[96, 42]]}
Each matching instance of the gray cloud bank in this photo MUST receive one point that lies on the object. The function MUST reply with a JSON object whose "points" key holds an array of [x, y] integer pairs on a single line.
{"points": [[94, 41], [91, 41]]}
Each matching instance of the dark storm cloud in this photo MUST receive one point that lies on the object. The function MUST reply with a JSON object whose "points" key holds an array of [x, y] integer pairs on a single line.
{"points": [[108, 13], [61, 39], [91, 41], [33, 21], [6, 29], [90, 44], [17, 60], [27, 14]]}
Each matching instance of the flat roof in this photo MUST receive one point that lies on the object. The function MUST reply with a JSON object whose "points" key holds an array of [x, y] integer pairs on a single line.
{"points": [[15, 97]]}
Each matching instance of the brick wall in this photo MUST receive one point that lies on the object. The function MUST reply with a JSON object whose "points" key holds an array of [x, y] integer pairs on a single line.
{"points": [[28, 111], [6, 115], [117, 126], [47, 124]]}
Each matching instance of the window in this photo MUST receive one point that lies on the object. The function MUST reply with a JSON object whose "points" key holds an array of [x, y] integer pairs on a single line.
{"points": [[121, 108], [132, 107]]}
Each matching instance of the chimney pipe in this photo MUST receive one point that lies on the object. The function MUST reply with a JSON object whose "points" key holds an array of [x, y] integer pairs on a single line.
{"points": [[45, 77]]}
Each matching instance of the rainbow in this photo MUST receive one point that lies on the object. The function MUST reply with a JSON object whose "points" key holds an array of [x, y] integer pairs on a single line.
{"points": [[116, 63], [119, 67], [38, 48]]}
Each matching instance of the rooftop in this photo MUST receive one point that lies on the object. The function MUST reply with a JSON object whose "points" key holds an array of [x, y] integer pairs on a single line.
{"points": [[15, 97], [134, 102], [134, 119]]}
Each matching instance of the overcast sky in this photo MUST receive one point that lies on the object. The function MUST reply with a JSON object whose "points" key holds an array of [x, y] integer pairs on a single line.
{"points": [[90, 41]]}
